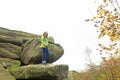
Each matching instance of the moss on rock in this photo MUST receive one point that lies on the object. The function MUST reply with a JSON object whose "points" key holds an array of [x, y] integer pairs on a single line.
{"points": [[5, 75], [9, 63], [42, 72]]}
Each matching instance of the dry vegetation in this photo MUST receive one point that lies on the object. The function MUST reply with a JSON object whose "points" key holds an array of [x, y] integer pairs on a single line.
{"points": [[107, 23]]}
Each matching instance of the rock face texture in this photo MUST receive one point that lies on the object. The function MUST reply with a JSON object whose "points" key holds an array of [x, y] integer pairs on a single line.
{"points": [[20, 56], [26, 47], [42, 72], [14, 37], [32, 48], [5, 75], [11, 42], [8, 50]]}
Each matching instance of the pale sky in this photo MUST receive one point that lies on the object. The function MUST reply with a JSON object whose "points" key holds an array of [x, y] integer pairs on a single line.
{"points": [[62, 19]]}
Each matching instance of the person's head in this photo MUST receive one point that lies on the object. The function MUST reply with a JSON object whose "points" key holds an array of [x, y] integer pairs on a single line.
{"points": [[45, 34]]}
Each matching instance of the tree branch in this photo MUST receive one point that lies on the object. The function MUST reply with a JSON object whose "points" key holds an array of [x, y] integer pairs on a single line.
{"points": [[117, 4], [115, 7]]}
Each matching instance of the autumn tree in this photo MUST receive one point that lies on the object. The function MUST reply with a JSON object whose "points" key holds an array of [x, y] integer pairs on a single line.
{"points": [[107, 24], [109, 69]]}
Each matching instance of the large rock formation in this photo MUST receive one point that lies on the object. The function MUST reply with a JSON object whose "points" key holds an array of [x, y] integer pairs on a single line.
{"points": [[11, 42], [20, 54], [9, 63], [32, 48], [5, 75], [41, 72], [25, 46], [9, 50], [14, 37]]}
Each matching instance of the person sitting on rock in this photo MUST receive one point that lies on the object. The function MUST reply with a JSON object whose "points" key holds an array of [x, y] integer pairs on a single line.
{"points": [[44, 46]]}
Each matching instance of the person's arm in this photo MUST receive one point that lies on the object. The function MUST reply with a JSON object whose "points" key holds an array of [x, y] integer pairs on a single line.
{"points": [[46, 42], [43, 43]]}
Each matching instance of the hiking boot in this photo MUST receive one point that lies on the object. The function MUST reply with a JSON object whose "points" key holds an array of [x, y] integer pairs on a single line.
{"points": [[44, 62]]}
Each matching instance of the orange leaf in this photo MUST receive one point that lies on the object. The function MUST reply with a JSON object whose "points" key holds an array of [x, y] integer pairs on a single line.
{"points": [[118, 25]]}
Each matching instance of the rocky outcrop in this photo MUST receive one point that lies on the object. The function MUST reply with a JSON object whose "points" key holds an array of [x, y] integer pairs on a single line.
{"points": [[18, 50], [5, 75], [32, 49], [11, 42], [9, 50], [41, 72], [14, 37], [9, 63], [25, 46]]}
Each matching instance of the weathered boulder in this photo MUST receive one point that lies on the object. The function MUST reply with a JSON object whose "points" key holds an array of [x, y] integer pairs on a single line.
{"points": [[9, 63], [8, 50], [15, 37], [51, 39], [31, 52], [25, 46], [5, 75], [18, 46], [41, 72], [11, 42]]}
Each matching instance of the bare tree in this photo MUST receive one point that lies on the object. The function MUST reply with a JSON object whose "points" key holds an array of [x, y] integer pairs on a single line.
{"points": [[88, 52]]}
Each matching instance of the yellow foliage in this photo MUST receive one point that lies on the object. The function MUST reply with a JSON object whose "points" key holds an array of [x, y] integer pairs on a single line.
{"points": [[116, 52], [111, 17], [103, 75], [105, 11], [95, 17], [117, 36], [112, 38], [107, 22], [109, 33], [102, 28], [100, 13], [99, 36], [100, 7], [118, 25], [118, 78]]}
